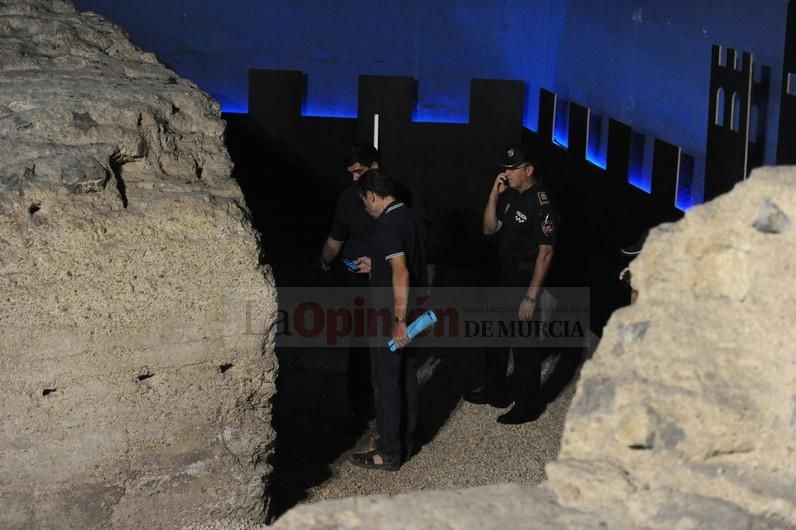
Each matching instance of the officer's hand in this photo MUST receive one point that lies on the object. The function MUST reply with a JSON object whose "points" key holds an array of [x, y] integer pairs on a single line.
{"points": [[364, 264], [399, 334], [526, 309], [500, 184]]}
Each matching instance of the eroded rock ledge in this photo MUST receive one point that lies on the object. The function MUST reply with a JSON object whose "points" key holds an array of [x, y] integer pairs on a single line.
{"points": [[136, 354]]}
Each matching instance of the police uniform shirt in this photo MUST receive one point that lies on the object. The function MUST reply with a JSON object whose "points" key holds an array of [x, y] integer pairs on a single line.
{"points": [[399, 232], [353, 224], [529, 219]]}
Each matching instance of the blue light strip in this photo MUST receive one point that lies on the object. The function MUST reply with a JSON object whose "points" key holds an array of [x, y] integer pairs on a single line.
{"points": [[640, 163], [561, 125], [328, 114], [685, 182], [597, 141], [531, 115], [234, 109], [640, 181], [596, 159], [425, 116]]}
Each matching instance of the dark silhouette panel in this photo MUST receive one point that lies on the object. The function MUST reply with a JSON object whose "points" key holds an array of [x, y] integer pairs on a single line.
{"points": [[786, 143], [727, 152], [665, 169], [547, 114], [275, 100], [578, 131], [618, 155]]}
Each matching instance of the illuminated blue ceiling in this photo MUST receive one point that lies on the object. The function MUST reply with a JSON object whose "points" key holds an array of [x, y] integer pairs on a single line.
{"points": [[644, 62]]}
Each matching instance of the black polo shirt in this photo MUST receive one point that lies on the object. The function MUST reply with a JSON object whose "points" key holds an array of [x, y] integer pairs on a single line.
{"points": [[529, 219], [353, 224], [400, 231]]}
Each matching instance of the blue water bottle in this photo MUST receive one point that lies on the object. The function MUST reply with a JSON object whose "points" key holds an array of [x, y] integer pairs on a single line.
{"points": [[421, 323]]}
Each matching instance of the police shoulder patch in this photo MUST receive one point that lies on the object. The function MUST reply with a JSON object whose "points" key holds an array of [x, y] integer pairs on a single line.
{"points": [[543, 200], [548, 225]]}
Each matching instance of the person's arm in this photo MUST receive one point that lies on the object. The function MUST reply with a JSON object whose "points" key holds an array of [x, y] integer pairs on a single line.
{"points": [[491, 222], [339, 231], [543, 259], [400, 293], [329, 251]]}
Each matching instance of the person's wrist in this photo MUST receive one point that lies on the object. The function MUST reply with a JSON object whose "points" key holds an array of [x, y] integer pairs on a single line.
{"points": [[529, 299]]}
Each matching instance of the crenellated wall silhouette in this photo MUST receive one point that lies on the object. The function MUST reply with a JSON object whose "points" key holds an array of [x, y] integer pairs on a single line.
{"points": [[611, 182]]}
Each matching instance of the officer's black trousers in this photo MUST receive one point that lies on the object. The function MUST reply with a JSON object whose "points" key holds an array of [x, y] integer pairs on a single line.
{"points": [[525, 385]]}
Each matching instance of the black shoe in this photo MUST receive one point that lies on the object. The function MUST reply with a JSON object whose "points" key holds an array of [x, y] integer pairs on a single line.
{"points": [[520, 414], [477, 396], [484, 396]]}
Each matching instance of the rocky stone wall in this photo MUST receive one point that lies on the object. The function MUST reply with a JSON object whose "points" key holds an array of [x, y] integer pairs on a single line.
{"points": [[136, 351], [685, 418]]}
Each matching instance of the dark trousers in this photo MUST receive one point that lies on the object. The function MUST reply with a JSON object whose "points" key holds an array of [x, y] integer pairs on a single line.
{"points": [[396, 395], [358, 373], [358, 383], [525, 386]]}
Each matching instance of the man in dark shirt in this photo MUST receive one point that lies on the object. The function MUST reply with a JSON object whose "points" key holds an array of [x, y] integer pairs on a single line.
{"points": [[352, 227], [520, 210], [351, 236], [397, 268]]}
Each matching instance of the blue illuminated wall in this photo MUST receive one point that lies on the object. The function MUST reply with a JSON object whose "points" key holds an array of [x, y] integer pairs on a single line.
{"points": [[647, 63], [442, 43], [644, 62]]}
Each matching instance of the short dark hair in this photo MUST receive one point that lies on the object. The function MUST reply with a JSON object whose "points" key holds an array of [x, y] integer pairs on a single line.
{"points": [[379, 183], [362, 152]]}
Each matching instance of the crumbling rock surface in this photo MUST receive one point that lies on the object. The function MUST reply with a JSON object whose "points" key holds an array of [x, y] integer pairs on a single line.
{"points": [[685, 417], [136, 348]]}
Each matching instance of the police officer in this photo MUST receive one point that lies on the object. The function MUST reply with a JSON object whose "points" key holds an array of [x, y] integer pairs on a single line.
{"points": [[397, 268], [521, 212]]}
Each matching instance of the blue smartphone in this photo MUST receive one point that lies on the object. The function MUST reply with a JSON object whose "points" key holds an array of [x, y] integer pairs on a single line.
{"points": [[353, 267]]}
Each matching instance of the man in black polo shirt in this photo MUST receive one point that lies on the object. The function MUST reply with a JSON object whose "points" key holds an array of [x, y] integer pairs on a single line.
{"points": [[519, 209], [397, 268], [350, 237]]}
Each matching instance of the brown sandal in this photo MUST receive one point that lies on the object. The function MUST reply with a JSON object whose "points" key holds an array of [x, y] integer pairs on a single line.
{"points": [[375, 460]]}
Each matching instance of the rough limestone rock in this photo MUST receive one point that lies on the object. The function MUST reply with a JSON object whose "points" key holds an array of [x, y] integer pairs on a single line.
{"points": [[685, 418], [136, 352], [693, 389]]}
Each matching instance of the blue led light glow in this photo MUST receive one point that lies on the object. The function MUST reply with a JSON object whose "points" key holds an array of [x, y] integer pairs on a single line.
{"points": [[597, 141], [421, 115], [531, 115], [234, 109], [596, 159], [561, 126], [639, 173], [685, 183], [316, 112], [640, 181]]}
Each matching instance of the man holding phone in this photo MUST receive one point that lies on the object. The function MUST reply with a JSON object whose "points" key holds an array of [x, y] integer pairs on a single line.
{"points": [[521, 212], [397, 267], [351, 236]]}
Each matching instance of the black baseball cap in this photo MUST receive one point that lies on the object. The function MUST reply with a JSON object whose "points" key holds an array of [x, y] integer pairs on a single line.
{"points": [[514, 157]]}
